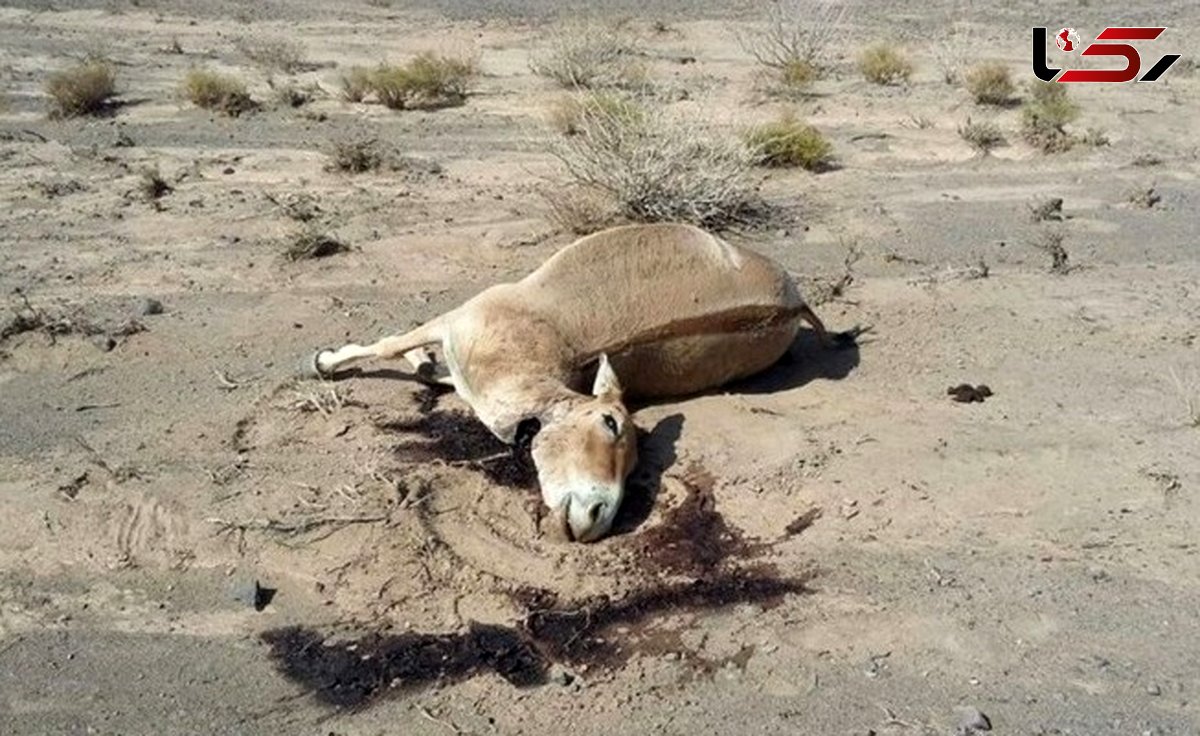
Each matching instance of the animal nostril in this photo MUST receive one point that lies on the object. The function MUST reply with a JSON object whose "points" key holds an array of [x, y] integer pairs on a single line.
{"points": [[594, 512]]}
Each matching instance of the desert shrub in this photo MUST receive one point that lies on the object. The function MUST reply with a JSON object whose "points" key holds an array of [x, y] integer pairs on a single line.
{"points": [[951, 52], [1045, 115], [152, 185], [797, 36], [789, 142], [428, 80], [291, 94], [312, 242], [884, 63], [588, 55], [355, 156], [579, 210], [990, 83], [568, 114], [984, 136], [662, 169], [215, 91], [273, 54], [356, 84], [1050, 242], [84, 89], [798, 74]]}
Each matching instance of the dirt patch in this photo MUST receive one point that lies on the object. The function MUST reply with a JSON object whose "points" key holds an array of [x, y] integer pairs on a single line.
{"points": [[460, 439], [599, 633]]}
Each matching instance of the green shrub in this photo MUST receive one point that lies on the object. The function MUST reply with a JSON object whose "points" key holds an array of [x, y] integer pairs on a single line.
{"points": [[215, 91], [429, 80], [1045, 115], [356, 84], [789, 142]]}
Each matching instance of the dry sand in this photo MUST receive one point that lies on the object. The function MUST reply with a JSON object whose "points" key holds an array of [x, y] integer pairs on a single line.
{"points": [[872, 557]]}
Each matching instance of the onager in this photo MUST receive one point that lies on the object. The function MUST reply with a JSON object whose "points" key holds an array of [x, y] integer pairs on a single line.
{"points": [[656, 310]]}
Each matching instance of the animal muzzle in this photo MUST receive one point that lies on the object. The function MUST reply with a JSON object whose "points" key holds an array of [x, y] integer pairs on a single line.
{"points": [[585, 518]]}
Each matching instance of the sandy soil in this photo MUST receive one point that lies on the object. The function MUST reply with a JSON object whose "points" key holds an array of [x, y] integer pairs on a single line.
{"points": [[835, 547]]}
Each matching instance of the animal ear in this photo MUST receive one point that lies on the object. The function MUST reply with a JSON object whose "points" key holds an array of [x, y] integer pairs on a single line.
{"points": [[606, 383]]}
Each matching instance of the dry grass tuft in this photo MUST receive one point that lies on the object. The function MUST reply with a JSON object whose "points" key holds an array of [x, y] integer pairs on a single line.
{"points": [[587, 54], [984, 136], [569, 114], [578, 210], [84, 89], [790, 142], [215, 91], [884, 63], [355, 155], [662, 169], [990, 83], [1045, 115], [356, 84], [273, 54], [428, 81]]}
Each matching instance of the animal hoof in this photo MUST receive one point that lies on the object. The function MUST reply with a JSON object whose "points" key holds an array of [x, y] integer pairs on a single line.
{"points": [[312, 366]]}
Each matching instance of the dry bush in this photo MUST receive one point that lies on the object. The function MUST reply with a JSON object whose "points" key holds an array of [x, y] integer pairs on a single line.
{"points": [[84, 89], [578, 210], [273, 54], [790, 142], [1050, 242], [215, 91], [797, 35], [1046, 208], [291, 94], [152, 185], [429, 80], [312, 242], [951, 52], [356, 84], [567, 114], [1189, 396], [663, 169], [990, 83], [884, 63], [588, 54], [1143, 197], [984, 136], [355, 156], [1045, 115]]}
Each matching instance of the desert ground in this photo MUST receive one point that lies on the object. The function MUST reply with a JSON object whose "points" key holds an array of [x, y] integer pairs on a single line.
{"points": [[195, 540]]}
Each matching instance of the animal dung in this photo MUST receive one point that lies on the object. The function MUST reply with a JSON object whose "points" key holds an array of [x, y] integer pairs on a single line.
{"points": [[965, 393]]}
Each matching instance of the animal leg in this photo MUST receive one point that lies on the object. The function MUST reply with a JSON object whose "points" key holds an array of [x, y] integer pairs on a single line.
{"points": [[325, 362], [426, 368]]}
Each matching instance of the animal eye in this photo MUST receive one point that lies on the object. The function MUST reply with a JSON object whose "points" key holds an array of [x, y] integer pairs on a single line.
{"points": [[611, 424]]}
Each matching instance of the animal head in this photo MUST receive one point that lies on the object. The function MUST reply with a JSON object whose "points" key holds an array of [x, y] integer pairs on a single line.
{"points": [[583, 454]]}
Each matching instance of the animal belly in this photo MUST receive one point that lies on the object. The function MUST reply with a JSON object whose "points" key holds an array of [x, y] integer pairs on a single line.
{"points": [[687, 365]]}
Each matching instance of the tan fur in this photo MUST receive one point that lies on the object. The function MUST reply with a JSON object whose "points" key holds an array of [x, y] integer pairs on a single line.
{"points": [[675, 309]]}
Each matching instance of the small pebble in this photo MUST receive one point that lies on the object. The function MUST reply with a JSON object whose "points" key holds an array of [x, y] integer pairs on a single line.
{"points": [[1153, 689], [105, 342], [151, 306]]}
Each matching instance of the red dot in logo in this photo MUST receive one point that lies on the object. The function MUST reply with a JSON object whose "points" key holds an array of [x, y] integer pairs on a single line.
{"points": [[1066, 39]]}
